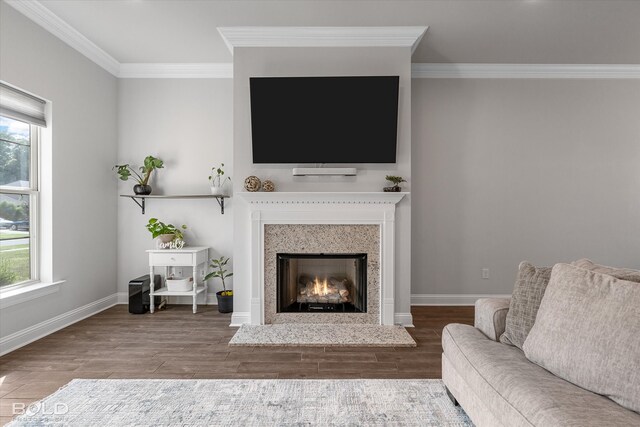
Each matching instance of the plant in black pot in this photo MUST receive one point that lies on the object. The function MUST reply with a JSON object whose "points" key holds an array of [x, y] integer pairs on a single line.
{"points": [[225, 297], [142, 188], [396, 181]]}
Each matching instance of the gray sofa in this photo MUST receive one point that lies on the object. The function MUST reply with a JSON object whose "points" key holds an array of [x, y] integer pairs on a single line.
{"points": [[497, 386]]}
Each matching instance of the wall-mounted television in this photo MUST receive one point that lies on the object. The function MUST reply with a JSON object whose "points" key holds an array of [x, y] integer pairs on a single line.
{"points": [[324, 119]]}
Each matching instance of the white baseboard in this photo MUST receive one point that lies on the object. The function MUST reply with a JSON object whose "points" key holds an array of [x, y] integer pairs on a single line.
{"points": [[239, 318], [211, 300], [32, 333], [21, 338], [123, 298], [404, 319], [451, 299]]}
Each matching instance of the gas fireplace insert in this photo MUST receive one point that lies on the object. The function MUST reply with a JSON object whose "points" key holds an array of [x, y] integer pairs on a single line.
{"points": [[327, 283]]}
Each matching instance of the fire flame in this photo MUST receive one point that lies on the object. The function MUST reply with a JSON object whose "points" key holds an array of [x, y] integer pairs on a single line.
{"points": [[320, 288]]}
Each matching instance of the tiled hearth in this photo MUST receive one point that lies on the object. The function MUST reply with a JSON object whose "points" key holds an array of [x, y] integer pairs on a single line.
{"points": [[317, 223], [322, 335]]}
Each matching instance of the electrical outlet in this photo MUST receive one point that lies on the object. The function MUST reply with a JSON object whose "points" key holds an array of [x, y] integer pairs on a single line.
{"points": [[177, 272], [485, 273]]}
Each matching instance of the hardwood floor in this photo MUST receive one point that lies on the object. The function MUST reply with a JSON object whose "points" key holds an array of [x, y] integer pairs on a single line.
{"points": [[175, 343]]}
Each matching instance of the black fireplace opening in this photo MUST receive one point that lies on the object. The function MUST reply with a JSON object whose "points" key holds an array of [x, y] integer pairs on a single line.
{"points": [[324, 283]]}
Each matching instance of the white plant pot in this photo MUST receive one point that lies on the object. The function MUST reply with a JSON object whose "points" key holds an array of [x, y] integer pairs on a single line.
{"points": [[166, 238], [163, 239], [218, 191], [180, 285]]}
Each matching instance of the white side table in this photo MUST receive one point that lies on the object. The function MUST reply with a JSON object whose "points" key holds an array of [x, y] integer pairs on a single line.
{"points": [[193, 256]]}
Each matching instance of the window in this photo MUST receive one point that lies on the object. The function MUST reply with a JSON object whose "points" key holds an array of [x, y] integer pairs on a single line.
{"points": [[19, 189]]}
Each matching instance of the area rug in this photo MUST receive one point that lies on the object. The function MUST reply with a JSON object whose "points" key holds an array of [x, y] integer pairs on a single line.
{"points": [[247, 403], [322, 335]]}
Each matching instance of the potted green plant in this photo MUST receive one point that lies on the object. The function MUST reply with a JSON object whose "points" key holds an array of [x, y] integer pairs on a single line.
{"points": [[165, 233], [225, 297], [217, 183], [396, 181], [142, 187]]}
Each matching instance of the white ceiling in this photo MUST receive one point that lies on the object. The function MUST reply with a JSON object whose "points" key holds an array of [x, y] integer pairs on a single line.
{"points": [[460, 31]]}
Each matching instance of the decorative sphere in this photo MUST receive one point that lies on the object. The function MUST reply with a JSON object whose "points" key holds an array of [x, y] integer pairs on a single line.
{"points": [[268, 186], [252, 183]]}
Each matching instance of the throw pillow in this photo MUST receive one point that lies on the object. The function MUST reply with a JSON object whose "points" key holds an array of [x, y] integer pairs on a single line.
{"points": [[525, 300], [618, 273], [588, 332]]}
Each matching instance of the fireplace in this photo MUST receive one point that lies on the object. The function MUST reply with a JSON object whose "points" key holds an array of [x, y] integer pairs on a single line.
{"points": [[321, 283], [282, 223]]}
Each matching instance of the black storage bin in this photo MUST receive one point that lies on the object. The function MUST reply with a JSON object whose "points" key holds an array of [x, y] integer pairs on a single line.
{"points": [[139, 294]]}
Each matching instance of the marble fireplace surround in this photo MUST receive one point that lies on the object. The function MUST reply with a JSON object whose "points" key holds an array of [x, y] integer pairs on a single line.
{"points": [[282, 221], [322, 238]]}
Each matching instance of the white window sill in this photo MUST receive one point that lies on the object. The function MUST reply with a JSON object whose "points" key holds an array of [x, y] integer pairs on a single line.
{"points": [[20, 294]]}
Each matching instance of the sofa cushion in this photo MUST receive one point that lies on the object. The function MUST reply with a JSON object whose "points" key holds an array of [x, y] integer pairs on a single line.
{"points": [[618, 273], [520, 393], [588, 332], [525, 300]]}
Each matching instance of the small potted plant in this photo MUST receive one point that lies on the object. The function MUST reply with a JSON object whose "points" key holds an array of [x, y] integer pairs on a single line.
{"points": [[165, 233], [217, 183], [396, 181], [142, 188], [225, 297]]}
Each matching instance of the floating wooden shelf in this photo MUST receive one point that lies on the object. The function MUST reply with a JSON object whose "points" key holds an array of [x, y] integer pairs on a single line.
{"points": [[140, 200]]}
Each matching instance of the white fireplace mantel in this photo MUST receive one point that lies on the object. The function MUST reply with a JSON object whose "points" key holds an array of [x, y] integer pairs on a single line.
{"points": [[321, 208], [323, 198]]}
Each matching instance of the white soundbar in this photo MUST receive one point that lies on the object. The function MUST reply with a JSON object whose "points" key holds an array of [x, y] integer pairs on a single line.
{"points": [[325, 171]]}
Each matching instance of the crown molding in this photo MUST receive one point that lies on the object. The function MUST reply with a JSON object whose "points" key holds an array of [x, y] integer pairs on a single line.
{"points": [[314, 37], [42, 16], [418, 71], [525, 71], [176, 71], [322, 36]]}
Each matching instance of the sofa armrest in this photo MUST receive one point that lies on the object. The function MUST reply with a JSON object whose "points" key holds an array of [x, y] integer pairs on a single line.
{"points": [[491, 316]]}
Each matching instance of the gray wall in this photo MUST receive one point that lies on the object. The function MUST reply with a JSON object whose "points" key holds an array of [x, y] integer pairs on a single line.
{"points": [[83, 98], [188, 124], [252, 62], [512, 170], [500, 170]]}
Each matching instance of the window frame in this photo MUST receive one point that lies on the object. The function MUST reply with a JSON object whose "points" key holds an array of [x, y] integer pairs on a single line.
{"points": [[33, 192]]}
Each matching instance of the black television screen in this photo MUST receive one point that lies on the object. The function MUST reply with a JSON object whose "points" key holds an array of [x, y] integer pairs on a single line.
{"points": [[324, 119]]}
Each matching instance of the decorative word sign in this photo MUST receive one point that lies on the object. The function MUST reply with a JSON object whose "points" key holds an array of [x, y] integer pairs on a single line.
{"points": [[174, 244]]}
